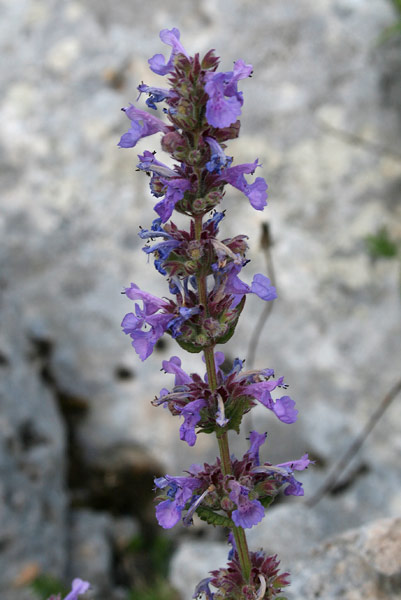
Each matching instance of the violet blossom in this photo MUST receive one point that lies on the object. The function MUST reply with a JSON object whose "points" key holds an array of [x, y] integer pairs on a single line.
{"points": [[143, 124], [158, 63]]}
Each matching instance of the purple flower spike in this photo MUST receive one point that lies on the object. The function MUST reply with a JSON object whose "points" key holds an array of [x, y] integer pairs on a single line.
{"points": [[158, 63], [142, 125], [248, 512], [78, 587], [256, 192], [191, 414]]}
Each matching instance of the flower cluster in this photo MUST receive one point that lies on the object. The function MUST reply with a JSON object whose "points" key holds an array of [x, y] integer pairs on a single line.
{"points": [[208, 292], [221, 409], [240, 496]]}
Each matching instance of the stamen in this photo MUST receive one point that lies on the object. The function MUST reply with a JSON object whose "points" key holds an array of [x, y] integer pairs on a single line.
{"points": [[221, 418], [260, 594], [187, 520]]}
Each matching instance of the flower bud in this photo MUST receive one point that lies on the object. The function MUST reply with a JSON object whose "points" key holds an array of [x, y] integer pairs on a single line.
{"points": [[227, 504], [172, 141]]}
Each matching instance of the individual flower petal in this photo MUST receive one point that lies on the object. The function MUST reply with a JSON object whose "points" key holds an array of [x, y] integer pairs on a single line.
{"points": [[191, 414], [256, 441], [168, 514], [142, 125], [284, 409], [262, 287], [158, 63], [174, 366]]}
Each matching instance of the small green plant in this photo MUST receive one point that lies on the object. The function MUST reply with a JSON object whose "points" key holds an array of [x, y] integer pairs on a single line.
{"points": [[153, 585], [393, 30], [46, 585], [158, 589], [380, 244]]}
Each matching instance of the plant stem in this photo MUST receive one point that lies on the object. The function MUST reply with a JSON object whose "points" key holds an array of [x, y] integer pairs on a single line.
{"points": [[239, 533]]}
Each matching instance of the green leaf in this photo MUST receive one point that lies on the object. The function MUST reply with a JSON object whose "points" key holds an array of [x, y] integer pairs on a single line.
{"points": [[46, 585], [188, 346], [266, 501], [235, 412], [208, 515], [230, 332]]}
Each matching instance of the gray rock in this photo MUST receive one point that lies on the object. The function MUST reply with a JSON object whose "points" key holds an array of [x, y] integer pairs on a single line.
{"points": [[32, 469], [91, 556], [360, 564]]}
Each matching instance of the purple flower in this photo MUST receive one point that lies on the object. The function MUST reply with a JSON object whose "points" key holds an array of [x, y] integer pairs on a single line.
{"points": [[255, 192], [283, 473], [283, 407], [142, 125], [179, 491], [161, 249], [175, 190], [218, 159], [144, 340], [225, 102], [248, 512], [260, 285], [256, 441], [155, 94], [78, 587], [174, 366], [148, 162], [158, 63], [203, 589], [191, 414]]}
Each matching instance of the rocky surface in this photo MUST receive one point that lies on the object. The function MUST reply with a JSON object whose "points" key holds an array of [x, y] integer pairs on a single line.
{"points": [[322, 114], [361, 564]]}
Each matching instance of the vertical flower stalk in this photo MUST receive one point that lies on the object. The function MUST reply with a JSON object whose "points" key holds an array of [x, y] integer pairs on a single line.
{"points": [[207, 296]]}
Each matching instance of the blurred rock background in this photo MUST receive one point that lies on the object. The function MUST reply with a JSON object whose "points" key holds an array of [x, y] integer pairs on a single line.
{"points": [[79, 441]]}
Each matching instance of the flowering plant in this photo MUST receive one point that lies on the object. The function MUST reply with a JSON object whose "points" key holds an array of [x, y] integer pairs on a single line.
{"points": [[202, 106]]}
